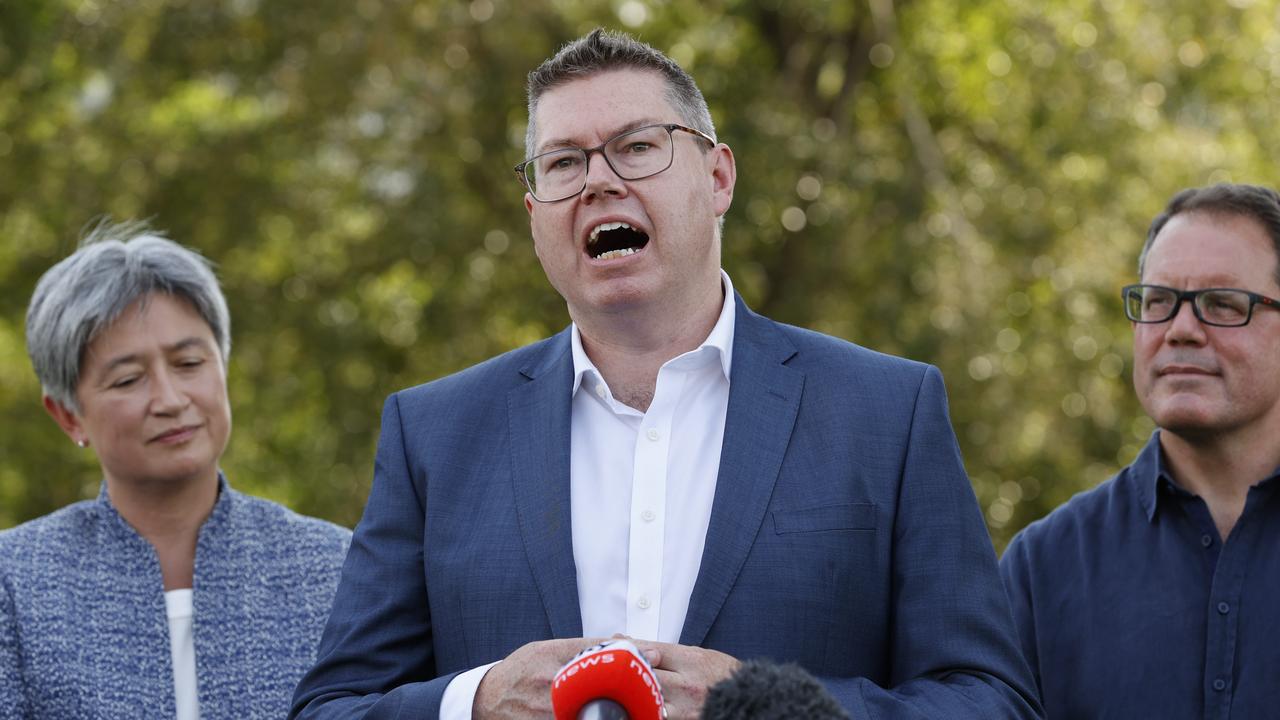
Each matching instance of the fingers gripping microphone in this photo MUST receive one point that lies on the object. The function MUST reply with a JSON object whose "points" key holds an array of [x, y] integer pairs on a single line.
{"points": [[608, 681]]}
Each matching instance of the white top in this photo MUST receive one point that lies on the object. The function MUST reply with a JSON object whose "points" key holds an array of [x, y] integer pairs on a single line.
{"points": [[641, 488], [178, 606]]}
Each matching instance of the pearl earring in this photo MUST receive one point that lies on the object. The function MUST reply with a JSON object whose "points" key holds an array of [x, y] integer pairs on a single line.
{"points": [[82, 444]]}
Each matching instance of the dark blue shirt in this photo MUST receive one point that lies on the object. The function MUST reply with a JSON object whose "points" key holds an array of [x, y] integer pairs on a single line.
{"points": [[1130, 606]]}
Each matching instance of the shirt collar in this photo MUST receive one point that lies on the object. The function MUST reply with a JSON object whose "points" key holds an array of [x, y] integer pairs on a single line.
{"points": [[1150, 472], [719, 341]]}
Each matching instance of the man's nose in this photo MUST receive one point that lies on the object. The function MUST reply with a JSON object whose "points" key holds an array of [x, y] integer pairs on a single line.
{"points": [[601, 179], [1184, 326]]}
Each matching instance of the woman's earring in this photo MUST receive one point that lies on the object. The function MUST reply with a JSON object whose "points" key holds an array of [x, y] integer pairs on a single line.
{"points": [[82, 444]]}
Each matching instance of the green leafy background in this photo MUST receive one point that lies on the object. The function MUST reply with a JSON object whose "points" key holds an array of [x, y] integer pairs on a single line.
{"points": [[964, 183]]}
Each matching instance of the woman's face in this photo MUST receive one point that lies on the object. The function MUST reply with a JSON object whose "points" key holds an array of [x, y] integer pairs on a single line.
{"points": [[153, 396]]}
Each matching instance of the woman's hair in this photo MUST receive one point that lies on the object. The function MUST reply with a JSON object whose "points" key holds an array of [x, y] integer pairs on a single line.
{"points": [[80, 297]]}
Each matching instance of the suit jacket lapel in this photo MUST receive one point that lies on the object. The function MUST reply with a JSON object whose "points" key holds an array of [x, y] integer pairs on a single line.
{"points": [[764, 397], [538, 413]]}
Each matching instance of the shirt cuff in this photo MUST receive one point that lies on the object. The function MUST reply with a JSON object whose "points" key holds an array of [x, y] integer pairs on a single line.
{"points": [[460, 694]]}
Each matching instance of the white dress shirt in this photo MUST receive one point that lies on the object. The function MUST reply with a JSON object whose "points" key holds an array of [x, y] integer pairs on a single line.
{"points": [[641, 488]]}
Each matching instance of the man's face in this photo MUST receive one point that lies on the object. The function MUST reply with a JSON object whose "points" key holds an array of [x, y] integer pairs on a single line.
{"points": [[678, 266], [1197, 380]]}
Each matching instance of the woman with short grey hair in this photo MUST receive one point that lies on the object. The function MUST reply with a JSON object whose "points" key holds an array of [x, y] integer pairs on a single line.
{"points": [[170, 595]]}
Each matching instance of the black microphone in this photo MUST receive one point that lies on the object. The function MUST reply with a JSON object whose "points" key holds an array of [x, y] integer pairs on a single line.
{"points": [[765, 691]]}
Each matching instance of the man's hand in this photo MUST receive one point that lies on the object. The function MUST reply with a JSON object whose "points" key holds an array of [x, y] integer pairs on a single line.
{"points": [[685, 674], [520, 685]]}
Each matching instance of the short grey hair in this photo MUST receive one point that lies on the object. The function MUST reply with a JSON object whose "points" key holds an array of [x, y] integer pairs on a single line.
{"points": [[81, 296], [602, 51]]}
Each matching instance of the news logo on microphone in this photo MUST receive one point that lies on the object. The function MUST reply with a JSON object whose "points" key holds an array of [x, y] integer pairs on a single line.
{"points": [[609, 680]]}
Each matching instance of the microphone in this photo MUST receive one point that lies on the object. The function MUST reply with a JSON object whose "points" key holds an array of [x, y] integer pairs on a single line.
{"points": [[764, 691], [609, 681]]}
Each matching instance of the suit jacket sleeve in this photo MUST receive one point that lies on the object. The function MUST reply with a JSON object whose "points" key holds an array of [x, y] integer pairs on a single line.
{"points": [[376, 658], [953, 648]]}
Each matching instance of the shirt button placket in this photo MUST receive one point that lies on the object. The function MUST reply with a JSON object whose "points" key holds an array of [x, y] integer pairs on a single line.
{"points": [[648, 500]]}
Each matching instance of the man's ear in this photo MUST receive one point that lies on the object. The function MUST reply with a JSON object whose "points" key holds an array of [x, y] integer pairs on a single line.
{"points": [[528, 206], [724, 173], [67, 420]]}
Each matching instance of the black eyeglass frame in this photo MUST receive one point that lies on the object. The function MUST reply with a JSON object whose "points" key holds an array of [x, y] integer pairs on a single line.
{"points": [[669, 127], [1194, 296]]}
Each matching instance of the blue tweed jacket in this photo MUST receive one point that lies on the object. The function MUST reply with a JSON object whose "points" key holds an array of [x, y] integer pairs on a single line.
{"points": [[83, 629]]}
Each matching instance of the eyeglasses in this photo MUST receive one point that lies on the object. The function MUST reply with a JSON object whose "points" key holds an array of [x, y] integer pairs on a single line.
{"points": [[633, 155], [1223, 307]]}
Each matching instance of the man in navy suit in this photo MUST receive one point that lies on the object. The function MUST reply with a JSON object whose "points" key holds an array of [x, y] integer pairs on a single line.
{"points": [[671, 467]]}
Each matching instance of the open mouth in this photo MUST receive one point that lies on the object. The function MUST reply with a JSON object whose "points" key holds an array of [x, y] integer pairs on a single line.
{"points": [[615, 240]]}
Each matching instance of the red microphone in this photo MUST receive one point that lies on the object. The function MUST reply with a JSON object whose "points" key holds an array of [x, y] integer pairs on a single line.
{"points": [[609, 680]]}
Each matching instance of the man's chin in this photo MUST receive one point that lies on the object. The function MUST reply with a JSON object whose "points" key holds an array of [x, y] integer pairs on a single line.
{"points": [[619, 295], [1191, 424]]}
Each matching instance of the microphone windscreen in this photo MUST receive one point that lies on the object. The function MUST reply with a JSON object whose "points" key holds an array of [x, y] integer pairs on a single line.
{"points": [[613, 671], [766, 691]]}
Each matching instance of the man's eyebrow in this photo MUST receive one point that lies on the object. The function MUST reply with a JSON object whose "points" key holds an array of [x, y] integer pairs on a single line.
{"points": [[562, 143], [1212, 280]]}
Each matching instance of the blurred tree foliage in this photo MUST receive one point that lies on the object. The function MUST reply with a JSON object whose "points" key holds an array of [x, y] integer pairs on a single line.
{"points": [[965, 183]]}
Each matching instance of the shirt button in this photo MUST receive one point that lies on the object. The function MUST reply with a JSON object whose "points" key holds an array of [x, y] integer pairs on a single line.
{"points": [[648, 516], [1219, 684], [1223, 608], [653, 434], [1206, 540], [643, 604]]}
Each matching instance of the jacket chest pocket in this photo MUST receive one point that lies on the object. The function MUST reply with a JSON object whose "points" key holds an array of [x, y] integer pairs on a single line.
{"points": [[846, 517]]}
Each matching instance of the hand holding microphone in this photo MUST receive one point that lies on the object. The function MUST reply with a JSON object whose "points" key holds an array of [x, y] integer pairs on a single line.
{"points": [[519, 686], [609, 681], [686, 672], [614, 681]]}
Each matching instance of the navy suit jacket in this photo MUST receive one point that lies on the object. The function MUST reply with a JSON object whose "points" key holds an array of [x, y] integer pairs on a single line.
{"points": [[844, 536]]}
